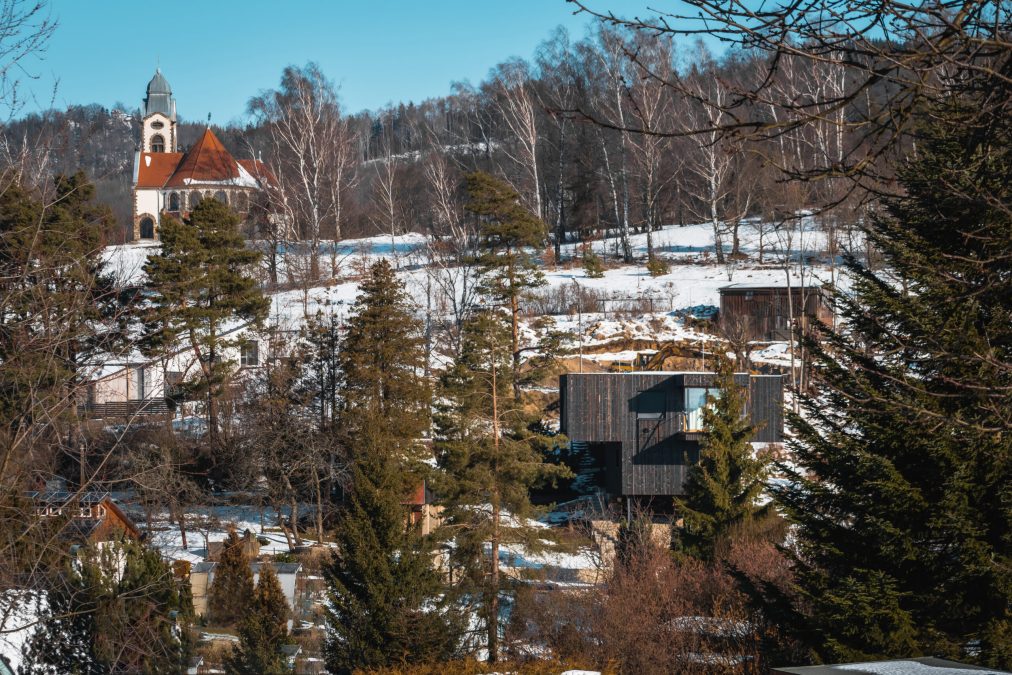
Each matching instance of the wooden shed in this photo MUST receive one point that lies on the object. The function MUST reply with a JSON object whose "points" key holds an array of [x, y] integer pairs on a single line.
{"points": [[644, 429], [89, 516], [763, 311]]}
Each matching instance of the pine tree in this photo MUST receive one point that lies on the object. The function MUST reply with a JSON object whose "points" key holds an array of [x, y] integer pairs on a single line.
{"points": [[115, 609], [722, 488], [263, 631], [903, 526], [202, 280], [387, 602], [51, 266], [231, 591], [489, 460], [509, 236]]}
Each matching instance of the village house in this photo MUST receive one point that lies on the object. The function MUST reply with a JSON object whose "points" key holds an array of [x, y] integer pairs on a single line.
{"points": [[762, 312], [135, 386], [91, 517], [643, 429]]}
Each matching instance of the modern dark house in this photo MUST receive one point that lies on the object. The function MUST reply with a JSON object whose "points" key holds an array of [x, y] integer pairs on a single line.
{"points": [[644, 428], [763, 311]]}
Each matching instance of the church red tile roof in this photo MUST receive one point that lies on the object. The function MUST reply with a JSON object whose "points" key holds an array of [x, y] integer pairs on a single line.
{"points": [[156, 167], [258, 170], [206, 162]]}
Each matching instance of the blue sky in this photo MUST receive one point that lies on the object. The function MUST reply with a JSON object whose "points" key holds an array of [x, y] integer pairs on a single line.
{"points": [[216, 54]]}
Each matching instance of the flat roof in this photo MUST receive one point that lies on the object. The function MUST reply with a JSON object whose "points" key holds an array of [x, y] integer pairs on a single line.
{"points": [[770, 286], [914, 666]]}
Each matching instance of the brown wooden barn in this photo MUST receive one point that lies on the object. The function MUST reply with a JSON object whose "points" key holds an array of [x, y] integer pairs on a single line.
{"points": [[762, 312]]}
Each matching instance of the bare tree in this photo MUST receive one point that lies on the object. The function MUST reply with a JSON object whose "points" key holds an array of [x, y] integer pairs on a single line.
{"points": [[310, 155], [517, 103]]}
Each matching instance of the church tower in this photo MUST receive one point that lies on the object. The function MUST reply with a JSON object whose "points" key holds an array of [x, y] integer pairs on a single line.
{"points": [[159, 121]]}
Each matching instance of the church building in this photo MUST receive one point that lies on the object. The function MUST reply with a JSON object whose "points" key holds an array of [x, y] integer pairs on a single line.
{"points": [[169, 182]]}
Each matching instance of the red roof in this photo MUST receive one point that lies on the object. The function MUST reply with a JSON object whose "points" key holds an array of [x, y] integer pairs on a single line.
{"points": [[156, 167], [207, 161], [258, 170]]}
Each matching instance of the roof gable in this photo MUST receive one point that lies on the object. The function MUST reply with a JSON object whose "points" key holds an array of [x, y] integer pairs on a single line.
{"points": [[206, 162]]}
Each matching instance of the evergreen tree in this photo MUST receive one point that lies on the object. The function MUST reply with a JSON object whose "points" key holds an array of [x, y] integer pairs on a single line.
{"points": [[490, 460], [231, 591], [388, 605], [263, 631], [115, 609], [903, 525], [722, 488], [201, 281], [509, 236], [51, 267]]}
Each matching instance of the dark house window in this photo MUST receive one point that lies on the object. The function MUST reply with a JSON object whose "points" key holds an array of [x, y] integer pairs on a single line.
{"points": [[651, 405], [174, 201], [157, 143], [194, 199], [221, 196], [249, 355]]}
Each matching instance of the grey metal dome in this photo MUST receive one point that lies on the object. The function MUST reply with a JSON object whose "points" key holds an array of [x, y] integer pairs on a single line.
{"points": [[159, 98], [158, 84]]}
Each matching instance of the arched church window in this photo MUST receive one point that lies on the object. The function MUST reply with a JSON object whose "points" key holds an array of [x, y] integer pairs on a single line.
{"points": [[174, 201], [240, 202], [147, 228], [194, 199], [221, 197], [157, 143]]}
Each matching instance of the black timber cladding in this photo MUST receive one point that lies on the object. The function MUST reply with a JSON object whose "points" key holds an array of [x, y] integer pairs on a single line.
{"points": [[644, 412]]}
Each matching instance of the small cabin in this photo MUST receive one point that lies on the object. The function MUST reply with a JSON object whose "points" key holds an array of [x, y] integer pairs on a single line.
{"points": [[422, 511], [644, 429], [91, 517], [762, 312]]}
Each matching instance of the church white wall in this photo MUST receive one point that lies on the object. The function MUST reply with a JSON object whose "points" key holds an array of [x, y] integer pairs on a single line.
{"points": [[149, 201]]}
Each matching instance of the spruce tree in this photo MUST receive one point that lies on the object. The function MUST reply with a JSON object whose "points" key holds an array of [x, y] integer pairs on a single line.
{"points": [[263, 630], [509, 235], [51, 267], [489, 460], [117, 608], [903, 525], [387, 602], [722, 488], [201, 281], [231, 591]]}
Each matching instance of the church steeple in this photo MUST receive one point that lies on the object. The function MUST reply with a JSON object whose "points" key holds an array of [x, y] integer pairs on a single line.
{"points": [[159, 127], [159, 98]]}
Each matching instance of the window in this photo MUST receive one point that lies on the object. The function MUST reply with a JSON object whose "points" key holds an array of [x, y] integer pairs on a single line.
{"points": [[157, 125], [240, 201], [650, 405], [221, 196], [249, 355], [695, 402], [174, 201], [157, 143], [194, 199]]}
